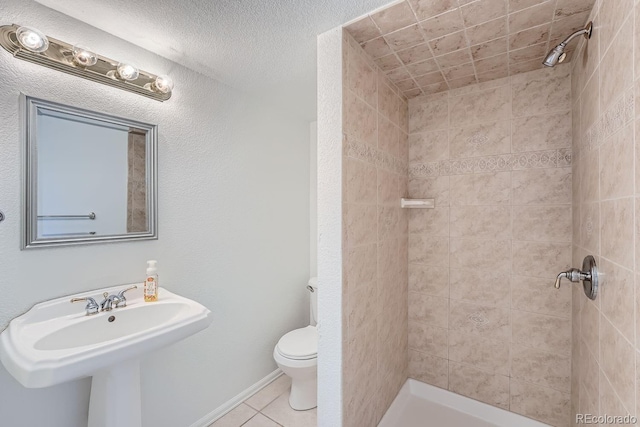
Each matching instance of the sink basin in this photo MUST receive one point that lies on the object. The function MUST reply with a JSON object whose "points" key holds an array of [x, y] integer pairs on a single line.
{"points": [[56, 342]]}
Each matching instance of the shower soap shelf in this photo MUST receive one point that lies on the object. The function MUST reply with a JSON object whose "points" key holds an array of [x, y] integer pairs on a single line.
{"points": [[417, 203]]}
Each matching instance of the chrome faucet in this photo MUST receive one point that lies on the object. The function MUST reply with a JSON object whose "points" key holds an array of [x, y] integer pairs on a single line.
{"points": [[107, 303], [122, 300], [92, 306], [115, 301]]}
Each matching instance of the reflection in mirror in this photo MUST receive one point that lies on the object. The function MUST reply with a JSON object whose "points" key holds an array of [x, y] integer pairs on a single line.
{"points": [[91, 177]]}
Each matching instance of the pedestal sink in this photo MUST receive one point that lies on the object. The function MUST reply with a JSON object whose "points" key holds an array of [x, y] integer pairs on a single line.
{"points": [[56, 342]]}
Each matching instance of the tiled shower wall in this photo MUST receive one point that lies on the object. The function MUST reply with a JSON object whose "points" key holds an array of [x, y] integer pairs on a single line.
{"points": [[375, 247], [607, 211], [485, 320]]}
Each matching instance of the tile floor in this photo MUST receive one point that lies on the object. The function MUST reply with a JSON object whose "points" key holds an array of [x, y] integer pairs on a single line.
{"points": [[268, 408]]}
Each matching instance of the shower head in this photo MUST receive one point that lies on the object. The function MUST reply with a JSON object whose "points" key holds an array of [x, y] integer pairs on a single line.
{"points": [[557, 54]]}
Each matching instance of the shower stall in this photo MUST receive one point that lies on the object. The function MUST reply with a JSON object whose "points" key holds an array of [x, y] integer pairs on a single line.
{"points": [[531, 169]]}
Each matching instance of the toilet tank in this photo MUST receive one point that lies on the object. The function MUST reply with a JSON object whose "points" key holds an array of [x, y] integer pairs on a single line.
{"points": [[313, 300]]}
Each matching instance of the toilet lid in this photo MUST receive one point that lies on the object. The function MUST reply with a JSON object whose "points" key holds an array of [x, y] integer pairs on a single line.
{"points": [[299, 344]]}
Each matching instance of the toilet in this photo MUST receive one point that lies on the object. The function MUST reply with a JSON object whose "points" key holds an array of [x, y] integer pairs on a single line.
{"points": [[297, 355]]}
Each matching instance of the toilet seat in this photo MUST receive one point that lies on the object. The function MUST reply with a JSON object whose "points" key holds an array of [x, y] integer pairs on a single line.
{"points": [[299, 344]]}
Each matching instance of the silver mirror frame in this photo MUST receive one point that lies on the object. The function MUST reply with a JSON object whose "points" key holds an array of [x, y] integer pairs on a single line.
{"points": [[29, 108]]}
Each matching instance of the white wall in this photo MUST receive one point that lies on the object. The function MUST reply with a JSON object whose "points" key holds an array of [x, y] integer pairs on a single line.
{"points": [[82, 168], [233, 229], [313, 198], [330, 228]]}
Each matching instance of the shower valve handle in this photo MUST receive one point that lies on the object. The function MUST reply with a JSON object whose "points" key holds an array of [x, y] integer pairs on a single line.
{"points": [[588, 276]]}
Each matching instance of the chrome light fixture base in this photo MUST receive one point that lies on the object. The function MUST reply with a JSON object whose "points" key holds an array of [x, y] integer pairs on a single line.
{"points": [[59, 56]]}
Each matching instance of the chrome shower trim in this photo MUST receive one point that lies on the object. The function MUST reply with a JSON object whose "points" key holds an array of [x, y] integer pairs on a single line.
{"points": [[557, 54]]}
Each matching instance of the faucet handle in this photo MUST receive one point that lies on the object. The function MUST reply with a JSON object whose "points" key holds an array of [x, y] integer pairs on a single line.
{"points": [[122, 300], [92, 306], [588, 275]]}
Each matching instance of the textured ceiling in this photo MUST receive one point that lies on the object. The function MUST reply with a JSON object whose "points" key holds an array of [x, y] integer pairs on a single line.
{"points": [[429, 46], [262, 46]]}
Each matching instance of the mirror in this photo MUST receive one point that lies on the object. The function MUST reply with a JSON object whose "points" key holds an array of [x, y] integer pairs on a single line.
{"points": [[89, 177]]}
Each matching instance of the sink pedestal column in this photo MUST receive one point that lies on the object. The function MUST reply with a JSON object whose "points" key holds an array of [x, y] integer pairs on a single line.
{"points": [[115, 396]]}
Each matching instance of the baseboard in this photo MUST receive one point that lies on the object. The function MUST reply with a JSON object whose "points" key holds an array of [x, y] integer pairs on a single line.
{"points": [[237, 400]]}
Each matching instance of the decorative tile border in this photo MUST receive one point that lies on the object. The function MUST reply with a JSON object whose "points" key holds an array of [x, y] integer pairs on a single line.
{"points": [[500, 163], [374, 156], [611, 121]]}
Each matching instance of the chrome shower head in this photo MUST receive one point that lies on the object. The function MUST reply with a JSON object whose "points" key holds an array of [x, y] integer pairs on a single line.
{"points": [[557, 54]]}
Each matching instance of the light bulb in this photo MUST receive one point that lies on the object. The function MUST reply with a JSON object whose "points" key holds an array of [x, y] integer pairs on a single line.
{"points": [[127, 71], [84, 56], [32, 39], [163, 84]]}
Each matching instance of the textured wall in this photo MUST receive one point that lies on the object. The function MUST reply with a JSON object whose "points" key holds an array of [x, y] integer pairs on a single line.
{"points": [[233, 227], [484, 318], [606, 211], [375, 249]]}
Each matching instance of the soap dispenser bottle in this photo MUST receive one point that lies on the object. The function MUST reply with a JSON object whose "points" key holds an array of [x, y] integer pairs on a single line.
{"points": [[151, 283]]}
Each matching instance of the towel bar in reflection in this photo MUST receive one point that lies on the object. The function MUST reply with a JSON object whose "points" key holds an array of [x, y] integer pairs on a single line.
{"points": [[92, 215], [85, 233]]}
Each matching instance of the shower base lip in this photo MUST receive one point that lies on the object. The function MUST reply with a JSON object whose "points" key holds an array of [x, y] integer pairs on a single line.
{"points": [[422, 405]]}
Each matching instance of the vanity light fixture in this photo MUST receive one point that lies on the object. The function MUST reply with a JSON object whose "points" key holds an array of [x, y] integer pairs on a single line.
{"points": [[127, 72], [32, 39], [83, 56], [31, 45]]}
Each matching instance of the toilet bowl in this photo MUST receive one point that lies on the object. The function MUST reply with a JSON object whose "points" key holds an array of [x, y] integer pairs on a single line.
{"points": [[297, 356]]}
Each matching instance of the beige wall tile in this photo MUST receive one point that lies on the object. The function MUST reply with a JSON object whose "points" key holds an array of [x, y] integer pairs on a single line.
{"points": [[609, 401], [436, 188], [590, 226], [616, 165], [361, 77], [429, 280], [388, 136], [361, 179], [429, 369], [361, 266], [542, 186], [428, 250], [616, 231], [485, 387], [428, 116], [362, 121], [480, 287], [488, 322], [543, 332], [539, 296], [429, 310], [590, 328], [616, 293], [481, 222], [480, 140], [542, 132], [618, 74], [394, 18], [481, 189], [428, 147], [617, 361], [428, 339], [490, 256], [541, 403], [429, 221], [541, 367], [487, 355], [542, 223], [541, 92], [541, 259], [361, 219], [485, 106]]}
